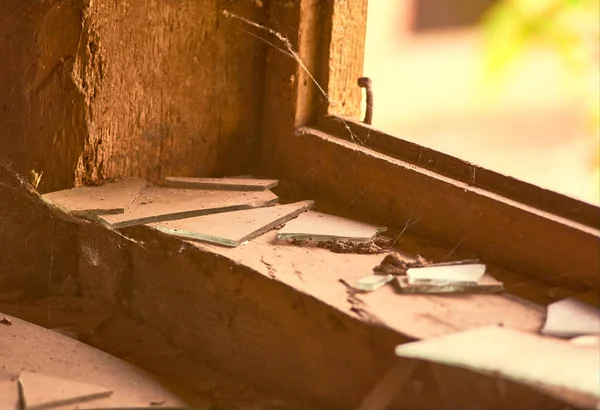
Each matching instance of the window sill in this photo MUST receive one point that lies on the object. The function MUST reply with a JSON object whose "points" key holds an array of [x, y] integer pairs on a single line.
{"points": [[502, 220]]}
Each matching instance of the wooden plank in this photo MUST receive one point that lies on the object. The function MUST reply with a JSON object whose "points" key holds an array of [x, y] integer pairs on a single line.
{"points": [[537, 361], [233, 228], [41, 391], [291, 96], [112, 198], [318, 271], [157, 204], [287, 303], [233, 184], [31, 348], [174, 129], [329, 39], [512, 235], [343, 57], [462, 171], [241, 317]]}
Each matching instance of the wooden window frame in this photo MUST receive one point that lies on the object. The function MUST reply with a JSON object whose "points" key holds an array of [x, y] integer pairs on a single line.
{"points": [[314, 141]]}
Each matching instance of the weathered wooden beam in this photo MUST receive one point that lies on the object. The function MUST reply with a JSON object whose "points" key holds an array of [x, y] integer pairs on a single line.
{"points": [[258, 328], [505, 232], [460, 170]]}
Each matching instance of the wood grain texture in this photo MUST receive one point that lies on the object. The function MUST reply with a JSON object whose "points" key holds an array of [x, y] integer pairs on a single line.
{"points": [[514, 236], [41, 108], [286, 303], [257, 328], [462, 171], [281, 97], [103, 89], [317, 271], [343, 52], [172, 88], [271, 314]]}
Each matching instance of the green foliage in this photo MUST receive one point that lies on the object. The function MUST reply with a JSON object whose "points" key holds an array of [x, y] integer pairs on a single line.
{"points": [[570, 27], [565, 25]]}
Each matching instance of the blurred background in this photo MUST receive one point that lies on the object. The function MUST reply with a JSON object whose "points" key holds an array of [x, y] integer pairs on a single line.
{"points": [[510, 85]]}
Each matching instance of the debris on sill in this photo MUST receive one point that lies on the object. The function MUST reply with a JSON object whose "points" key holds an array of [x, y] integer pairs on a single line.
{"points": [[242, 183], [397, 263], [379, 244], [317, 226], [234, 228], [569, 318], [419, 276], [569, 372], [232, 211], [228, 211], [42, 392]]}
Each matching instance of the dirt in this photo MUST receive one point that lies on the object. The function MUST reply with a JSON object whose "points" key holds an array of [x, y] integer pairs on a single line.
{"points": [[379, 244], [397, 263]]}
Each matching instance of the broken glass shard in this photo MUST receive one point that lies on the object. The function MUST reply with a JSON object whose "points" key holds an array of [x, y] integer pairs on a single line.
{"points": [[157, 204], [570, 318], [318, 226], [233, 228], [552, 365], [487, 284], [112, 198], [373, 282], [446, 274], [231, 183]]}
